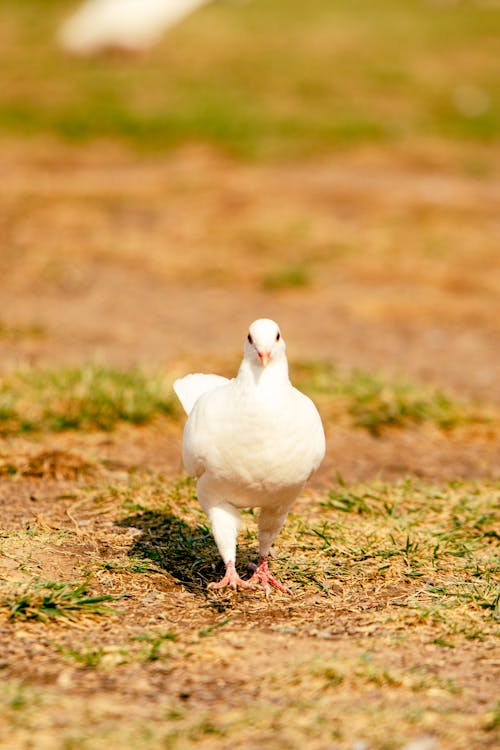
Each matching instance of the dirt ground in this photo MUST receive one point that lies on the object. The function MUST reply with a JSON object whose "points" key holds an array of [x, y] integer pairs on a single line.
{"points": [[164, 262], [385, 262]]}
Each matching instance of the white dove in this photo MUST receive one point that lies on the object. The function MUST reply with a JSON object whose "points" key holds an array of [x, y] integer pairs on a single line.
{"points": [[129, 25], [252, 441]]}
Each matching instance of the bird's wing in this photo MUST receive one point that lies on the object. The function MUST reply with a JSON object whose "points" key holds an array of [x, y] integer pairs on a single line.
{"points": [[191, 387], [313, 427]]}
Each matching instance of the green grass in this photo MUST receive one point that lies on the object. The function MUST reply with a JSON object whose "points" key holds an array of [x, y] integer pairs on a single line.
{"points": [[267, 78], [89, 658], [374, 403], [98, 398], [494, 722], [287, 278], [154, 650], [440, 541], [46, 600], [445, 537], [126, 565], [143, 648], [83, 398]]}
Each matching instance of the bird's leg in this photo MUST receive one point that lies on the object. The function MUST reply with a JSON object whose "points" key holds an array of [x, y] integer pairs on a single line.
{"points": [[263, 575], [225, 520], [231, 580], [271, 520]]}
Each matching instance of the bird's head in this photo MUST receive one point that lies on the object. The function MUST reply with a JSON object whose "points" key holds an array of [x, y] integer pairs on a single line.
{"points": [[264, 343]]}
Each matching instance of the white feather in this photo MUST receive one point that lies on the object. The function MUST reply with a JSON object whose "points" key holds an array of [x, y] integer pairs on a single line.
{"points": [[131, 25], [191, 387]]}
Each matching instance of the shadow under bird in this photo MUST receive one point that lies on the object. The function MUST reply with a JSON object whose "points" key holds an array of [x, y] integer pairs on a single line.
{"points": [[251, 442]]}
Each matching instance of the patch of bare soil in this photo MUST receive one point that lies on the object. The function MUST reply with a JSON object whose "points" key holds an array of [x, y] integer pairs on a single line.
{"points": [[129, 260], [352, 454]]}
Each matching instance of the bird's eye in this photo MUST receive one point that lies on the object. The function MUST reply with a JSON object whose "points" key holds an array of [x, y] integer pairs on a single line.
{"points": [[278, 336], [250, 339]]}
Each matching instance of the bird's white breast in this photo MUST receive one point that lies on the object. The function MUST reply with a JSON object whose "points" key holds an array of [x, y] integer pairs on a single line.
{"points": [[252, 443]]}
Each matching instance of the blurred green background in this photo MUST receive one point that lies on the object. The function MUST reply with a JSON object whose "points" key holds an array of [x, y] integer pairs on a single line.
{"points": [[265, 78]]}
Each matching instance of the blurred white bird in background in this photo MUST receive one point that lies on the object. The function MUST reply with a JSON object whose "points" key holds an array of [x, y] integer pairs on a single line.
{"points": [[251, 442], [124, 25]]}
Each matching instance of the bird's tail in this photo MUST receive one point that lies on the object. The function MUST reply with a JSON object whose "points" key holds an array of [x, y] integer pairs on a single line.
{"points": [[191, 387]]}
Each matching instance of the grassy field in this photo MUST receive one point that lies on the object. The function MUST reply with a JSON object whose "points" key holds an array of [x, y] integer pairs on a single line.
{"points": [[329, 164], [265, 78], [112, 639]]}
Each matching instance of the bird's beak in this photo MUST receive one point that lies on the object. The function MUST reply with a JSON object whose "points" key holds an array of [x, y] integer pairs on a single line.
{"points": [[264, 358]]}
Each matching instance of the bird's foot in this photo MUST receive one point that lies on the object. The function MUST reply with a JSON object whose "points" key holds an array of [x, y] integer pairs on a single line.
{"points": [[231, 580], [263, 575]]}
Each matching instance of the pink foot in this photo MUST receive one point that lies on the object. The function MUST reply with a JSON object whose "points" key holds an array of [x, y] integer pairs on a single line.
{"points": [[231, 580], [264, 576]]}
